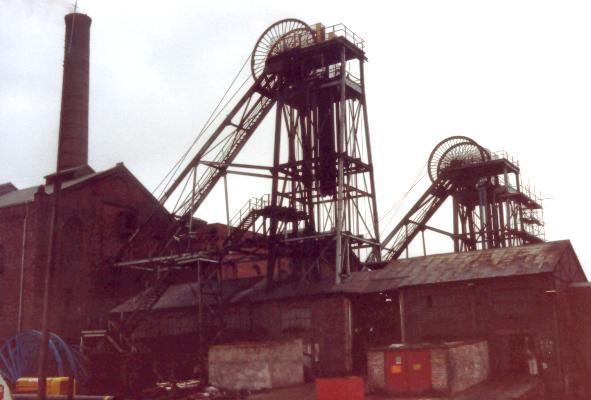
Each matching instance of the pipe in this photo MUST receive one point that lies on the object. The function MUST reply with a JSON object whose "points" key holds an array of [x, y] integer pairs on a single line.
{"points": [[402, 315], [19, 327]]}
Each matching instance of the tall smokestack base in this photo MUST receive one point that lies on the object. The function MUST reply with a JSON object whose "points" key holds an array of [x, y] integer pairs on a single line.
{"points": [[73, 133]]}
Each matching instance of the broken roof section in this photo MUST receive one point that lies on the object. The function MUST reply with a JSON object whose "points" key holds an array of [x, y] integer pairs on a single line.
{"points": [[434, 269]]}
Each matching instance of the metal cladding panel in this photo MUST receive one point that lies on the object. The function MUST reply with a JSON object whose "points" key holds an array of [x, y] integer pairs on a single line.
{"points": [[73, 135]]}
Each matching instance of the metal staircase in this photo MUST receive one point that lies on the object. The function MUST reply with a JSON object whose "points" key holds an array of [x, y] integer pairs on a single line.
{"points": [[119, 333]]}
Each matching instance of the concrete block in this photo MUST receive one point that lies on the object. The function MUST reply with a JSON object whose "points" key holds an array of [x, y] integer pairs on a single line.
{"points": [[376, 378], [257, 365]]}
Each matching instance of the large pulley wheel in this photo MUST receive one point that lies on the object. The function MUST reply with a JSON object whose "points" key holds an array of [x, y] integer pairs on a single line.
{"points": [[455, 151], [282, 36]]}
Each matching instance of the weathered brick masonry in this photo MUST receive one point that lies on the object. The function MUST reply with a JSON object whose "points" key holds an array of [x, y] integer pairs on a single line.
{"points": [[97, 213]]}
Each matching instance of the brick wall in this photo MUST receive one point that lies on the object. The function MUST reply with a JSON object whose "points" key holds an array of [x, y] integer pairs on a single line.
{"points": [[12, 227], [496, 309], [327, 338], [85, 285]]}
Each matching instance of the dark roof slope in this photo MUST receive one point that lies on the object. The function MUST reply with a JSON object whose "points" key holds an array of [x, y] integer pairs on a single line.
{"points": [[76, 179], [21, 196], [433, 269], [454, 267], [182, 295]]}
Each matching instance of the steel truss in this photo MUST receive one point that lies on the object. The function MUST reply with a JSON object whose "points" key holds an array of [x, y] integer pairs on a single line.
{"points": [[320, 219], [491, 209]]}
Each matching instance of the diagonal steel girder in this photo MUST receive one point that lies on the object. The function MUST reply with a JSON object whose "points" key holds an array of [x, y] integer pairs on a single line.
{"points": [[416, 219]]}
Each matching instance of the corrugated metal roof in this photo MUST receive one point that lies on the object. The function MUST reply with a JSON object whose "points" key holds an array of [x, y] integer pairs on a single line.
{"points": [[437, 268], [182, 295], [433, 269], [455, 267]]}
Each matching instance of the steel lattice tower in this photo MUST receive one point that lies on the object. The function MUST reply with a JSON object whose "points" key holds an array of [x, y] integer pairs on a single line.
{"points": [[322, 207]]}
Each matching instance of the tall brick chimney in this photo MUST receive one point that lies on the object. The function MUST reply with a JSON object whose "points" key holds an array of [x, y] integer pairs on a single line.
{"points": [[73, 133]]}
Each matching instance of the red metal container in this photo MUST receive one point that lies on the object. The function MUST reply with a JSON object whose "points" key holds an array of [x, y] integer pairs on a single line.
{"points": [[407, 371], [342, 388]]}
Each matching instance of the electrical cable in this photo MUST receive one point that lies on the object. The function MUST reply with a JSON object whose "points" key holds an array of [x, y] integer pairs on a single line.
{"points": [[212, 116], [421, 175]]}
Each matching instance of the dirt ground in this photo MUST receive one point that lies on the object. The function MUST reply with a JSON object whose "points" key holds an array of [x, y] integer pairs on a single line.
{"points": [[513, 388], [307, 392]]}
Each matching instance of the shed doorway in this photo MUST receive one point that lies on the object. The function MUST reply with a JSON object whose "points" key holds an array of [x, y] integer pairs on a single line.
{"points": [[376, 323]]}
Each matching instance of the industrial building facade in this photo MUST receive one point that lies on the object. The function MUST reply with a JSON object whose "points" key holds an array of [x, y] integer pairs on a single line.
{"points": [[513, 298], [98, 213], [305, 263]]}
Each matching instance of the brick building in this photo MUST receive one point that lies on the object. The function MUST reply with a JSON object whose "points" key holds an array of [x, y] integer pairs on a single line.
{"points": [[510, 297], [97, 212]]}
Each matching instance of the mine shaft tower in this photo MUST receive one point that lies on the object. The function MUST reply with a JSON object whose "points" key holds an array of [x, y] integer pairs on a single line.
{"points": [[322, 205], [491, 207], [320, 219]]}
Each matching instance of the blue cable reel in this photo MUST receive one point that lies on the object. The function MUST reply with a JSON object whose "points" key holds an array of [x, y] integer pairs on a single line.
{"points": [[19, 356]]}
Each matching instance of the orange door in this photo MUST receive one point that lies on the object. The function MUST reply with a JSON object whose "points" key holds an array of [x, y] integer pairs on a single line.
{"points": [[395, 372], [419, 370], [407, 371]]}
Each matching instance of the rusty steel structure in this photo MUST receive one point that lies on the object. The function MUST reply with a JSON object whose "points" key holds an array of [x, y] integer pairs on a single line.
{"points": [[319, 221], [491, 207]]}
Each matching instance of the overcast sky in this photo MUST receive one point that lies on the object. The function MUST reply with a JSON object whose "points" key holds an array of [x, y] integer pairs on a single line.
{"points": [[512, 75]]}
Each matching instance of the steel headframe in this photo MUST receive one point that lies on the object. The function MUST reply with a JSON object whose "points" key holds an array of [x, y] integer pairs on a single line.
{"points": [[491, 209]]}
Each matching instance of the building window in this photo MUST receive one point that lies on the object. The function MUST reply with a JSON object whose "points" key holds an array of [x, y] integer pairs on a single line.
{"points": [[296, 319], [127, 224]]}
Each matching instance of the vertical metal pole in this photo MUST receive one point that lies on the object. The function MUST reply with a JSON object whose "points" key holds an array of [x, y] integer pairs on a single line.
{"points": [[274, 195], [49, 267], [456, 228], [374, 205], [482, 214], [402, 315], [227, 202], [424, 245], [192, 208], [200, 306], [406, 236], [22, 277], [340, 155]]}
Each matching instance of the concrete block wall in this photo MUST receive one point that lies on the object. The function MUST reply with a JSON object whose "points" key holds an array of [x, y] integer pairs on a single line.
{"points": [[454, 367], [376, 377], [468, 365], [255, 366]]}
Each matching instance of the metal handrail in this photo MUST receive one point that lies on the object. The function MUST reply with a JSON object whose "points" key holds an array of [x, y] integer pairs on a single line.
{"points": [[254, 203], [503, 155], [342, 31]]}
